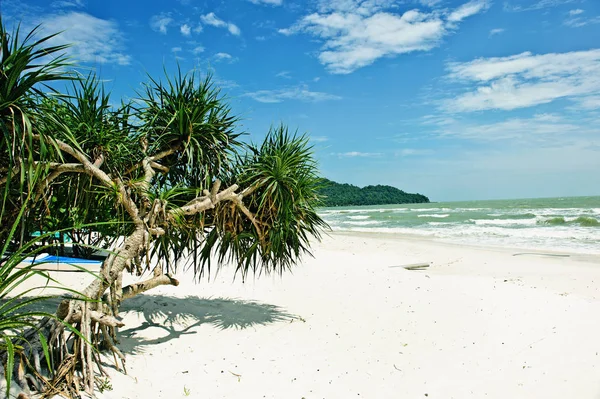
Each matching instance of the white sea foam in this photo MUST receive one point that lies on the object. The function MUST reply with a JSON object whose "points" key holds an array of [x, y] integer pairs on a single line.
{"points": [[511, 226], [566, 238], [354, 211], [362, 223], [504, 222], [359, 217]]}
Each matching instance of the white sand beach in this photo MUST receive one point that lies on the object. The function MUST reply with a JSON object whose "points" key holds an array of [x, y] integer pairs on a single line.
{"points": [[480, 322]]}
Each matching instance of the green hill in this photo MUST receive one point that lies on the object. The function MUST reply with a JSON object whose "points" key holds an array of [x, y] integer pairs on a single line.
{"points": [[337, 194]]}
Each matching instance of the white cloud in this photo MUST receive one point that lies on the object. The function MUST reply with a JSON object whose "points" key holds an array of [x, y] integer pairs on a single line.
{"points": [[283, 74], [176, 49], [576, 12], [538, 5], [429, 3], [469, 9], [268, 2], [354, 154], [67, 4], [161, 22], [496, 31], [577, 22], [301, 93], [94, 40], [361, 7], [224, 83], [409, 152], [357, 33], [525, 80], [319, 139], [233, 29], [547, 130], [185, 30], [212, 20], [197, 50], [224, 57], [589, 102]]}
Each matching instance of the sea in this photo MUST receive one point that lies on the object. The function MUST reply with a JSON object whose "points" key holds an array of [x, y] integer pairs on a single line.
{"points": [[554, 224]]}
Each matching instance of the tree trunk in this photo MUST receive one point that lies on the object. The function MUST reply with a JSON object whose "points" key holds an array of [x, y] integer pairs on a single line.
{"points": [[74, 357]]}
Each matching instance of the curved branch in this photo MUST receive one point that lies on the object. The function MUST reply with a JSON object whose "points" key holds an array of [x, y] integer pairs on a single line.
{"points": [[207, 202], [155, 158], [159, 279], [81, 157]]}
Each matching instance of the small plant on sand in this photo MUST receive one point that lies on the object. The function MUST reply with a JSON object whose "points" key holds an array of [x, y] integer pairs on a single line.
{"points": [[104, 384]]}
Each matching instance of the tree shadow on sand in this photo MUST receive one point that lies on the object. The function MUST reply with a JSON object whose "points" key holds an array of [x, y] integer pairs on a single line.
{"points": [[180, 316]]}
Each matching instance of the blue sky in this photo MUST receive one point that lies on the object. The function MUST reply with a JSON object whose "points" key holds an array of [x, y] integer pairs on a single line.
{"points": [[454, 99]]}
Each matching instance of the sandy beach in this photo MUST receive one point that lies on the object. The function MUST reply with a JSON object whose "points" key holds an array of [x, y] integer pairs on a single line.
{"points": [[480, 322]]}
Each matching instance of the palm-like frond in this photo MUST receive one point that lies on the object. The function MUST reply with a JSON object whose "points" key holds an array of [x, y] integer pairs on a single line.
{"points": [[187, 112], [284, 178], [26, 64]]}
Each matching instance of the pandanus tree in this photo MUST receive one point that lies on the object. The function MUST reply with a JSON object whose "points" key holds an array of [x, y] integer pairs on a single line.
{"points": [[169, 173]]}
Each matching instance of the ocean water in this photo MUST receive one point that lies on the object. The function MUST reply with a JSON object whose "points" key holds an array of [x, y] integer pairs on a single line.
{"points": [[557, 224]]}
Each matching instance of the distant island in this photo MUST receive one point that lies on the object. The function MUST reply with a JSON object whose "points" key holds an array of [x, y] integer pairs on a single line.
{"points": [[338, 194]]}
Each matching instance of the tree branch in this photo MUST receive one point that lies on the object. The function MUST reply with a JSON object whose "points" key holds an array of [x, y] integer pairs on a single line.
{"points": [[160, 167], [207, 202], [155, 158], [249, 215], [81, 157], [159, 279], [98, 317]]}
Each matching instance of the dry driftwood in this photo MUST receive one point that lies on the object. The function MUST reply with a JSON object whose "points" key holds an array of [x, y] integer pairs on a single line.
{"points": [[414, 266]]}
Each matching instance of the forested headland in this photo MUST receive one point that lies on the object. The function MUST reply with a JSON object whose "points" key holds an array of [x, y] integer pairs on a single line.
{"points": [[338, 194]]}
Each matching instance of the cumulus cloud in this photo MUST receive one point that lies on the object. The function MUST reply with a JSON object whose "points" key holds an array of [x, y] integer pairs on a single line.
{"points": [[212, 20], [185, 30], [524, 80], [161, 22], [356, 33], [224, 57], [197, 50], [300, 93], [94, 40]]}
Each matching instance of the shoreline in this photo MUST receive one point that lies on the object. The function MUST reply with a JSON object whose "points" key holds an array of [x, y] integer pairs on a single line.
{"points": [[451, 243]]}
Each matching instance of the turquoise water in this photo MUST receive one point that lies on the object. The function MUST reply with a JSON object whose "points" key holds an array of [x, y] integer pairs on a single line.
{"points": [[559, 224]]}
